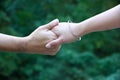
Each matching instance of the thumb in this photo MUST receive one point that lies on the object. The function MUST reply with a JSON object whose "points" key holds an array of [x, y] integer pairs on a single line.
{"points": [[54, 43], [52, 24]]}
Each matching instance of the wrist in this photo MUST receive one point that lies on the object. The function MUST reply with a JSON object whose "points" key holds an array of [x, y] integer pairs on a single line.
{"points": [[22, 44], [80, 29], [71, 29], [76, 30]]}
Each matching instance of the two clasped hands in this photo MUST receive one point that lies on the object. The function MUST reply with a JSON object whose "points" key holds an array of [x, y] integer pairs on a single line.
{"points": [[52, 35], [48, 38]]}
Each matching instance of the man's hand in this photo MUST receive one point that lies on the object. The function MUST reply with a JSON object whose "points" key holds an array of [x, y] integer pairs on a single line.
{"points": [[37, 40], [65, 34]]}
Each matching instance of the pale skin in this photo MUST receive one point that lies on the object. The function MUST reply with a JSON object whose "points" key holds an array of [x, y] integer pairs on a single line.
{"points": [[34, 43], [69, 32]]}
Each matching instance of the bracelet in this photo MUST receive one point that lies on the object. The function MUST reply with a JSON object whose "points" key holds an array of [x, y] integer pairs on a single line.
{"points": [[72, 32]]}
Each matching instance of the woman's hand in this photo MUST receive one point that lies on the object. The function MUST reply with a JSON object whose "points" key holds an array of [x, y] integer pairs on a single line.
{"points": [[65, 32]]}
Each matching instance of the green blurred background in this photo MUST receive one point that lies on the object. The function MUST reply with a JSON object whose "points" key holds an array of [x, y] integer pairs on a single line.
{"points": [[95, 57]]}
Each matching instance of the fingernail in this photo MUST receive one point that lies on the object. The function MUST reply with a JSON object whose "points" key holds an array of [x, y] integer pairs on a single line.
{"points": [[48, 46], [56, 20]]}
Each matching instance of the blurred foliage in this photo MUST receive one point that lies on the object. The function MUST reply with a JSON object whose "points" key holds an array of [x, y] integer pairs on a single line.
{"points": [[95, 57]]}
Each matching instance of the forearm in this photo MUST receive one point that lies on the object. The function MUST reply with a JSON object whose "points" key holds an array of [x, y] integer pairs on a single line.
{"points": [[11, 43], [107, 20]]}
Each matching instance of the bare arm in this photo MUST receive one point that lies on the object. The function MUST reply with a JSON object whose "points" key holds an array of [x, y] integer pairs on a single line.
{"points": [[34, 43], [11, 43], [105, 21]]}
